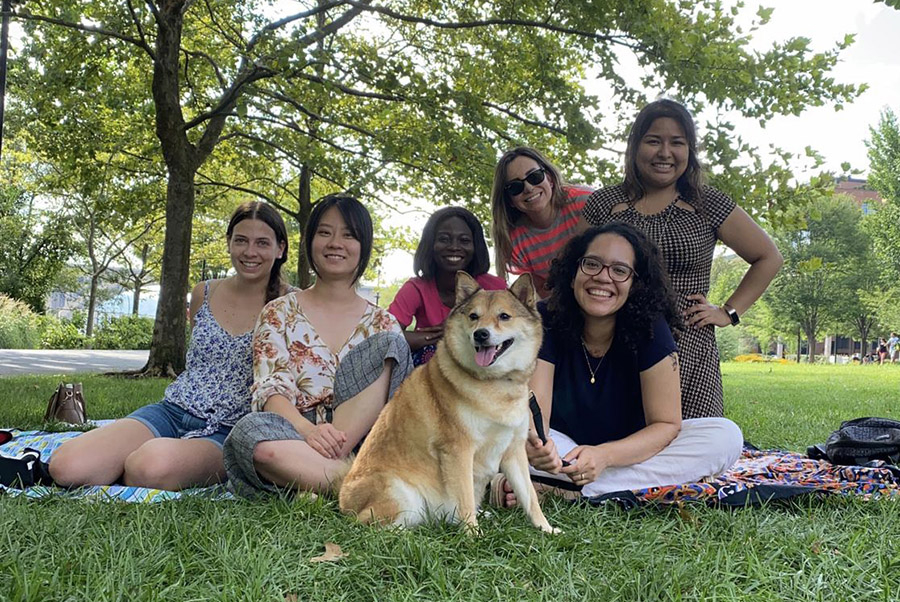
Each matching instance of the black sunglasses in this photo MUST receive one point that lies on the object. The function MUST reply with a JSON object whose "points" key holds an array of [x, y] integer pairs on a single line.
{"points": [[516, 187]]}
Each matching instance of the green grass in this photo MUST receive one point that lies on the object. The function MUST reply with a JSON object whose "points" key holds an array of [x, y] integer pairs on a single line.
{"points": [[810, 549]]}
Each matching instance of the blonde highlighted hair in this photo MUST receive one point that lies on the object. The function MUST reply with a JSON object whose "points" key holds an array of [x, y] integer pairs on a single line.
{"points": [[505, 216]]}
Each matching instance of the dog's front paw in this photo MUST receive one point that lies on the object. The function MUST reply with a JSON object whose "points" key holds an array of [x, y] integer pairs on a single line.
{"points": [[473, 529], [551, 530]]}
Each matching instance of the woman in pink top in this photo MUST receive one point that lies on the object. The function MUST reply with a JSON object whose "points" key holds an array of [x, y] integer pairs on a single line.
{"points": [[452, 240]]}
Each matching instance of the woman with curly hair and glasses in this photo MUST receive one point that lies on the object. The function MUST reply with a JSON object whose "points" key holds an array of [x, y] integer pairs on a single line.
{"points": [[607, 377], [663, 194], [535, 214]]}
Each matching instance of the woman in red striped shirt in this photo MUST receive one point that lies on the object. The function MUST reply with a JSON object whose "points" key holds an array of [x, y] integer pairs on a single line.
{"points": [[535, 214]]}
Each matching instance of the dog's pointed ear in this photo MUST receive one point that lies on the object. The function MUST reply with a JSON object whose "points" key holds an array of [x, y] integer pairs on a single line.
{"points": [[465, 286], [523, 289]]}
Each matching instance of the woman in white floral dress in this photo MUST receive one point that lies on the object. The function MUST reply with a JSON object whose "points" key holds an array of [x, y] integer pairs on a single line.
{"points": [[312, 404]]}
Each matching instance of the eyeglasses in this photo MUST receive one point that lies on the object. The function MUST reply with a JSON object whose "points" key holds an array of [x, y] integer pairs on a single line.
{"points": [[618, 272], [517, 187]]}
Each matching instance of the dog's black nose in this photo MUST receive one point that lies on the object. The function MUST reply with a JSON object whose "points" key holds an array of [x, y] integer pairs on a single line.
{"points": [[481, 336]]}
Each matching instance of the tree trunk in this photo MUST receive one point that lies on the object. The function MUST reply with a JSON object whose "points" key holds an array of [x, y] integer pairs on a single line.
{"points": [[167, 349], [811, 351], [304, 277], [92, 306], [139, 281], [799, 343]]}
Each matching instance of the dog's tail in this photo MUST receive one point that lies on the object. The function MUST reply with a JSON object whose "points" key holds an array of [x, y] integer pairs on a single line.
{"points": [[337, 478]]}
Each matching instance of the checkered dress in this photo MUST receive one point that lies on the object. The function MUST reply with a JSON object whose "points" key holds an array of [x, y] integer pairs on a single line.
{"points": [[687, 240]]}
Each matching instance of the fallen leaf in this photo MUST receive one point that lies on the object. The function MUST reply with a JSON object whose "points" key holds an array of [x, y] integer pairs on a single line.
{"points": [[332, 553], [291, 598], [686, 515]]}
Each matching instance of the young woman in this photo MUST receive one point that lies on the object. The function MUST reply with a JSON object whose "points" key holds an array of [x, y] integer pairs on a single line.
{"points": [[177, 442], [608, 373], [535, 214], [452, 240], [663, 195], [325, 361]]}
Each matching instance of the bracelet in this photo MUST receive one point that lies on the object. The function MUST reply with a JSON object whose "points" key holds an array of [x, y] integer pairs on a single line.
{"points": [[732, 314]]}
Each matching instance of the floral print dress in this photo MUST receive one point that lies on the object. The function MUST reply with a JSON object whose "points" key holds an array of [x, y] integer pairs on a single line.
{"points": [[290, 359]]}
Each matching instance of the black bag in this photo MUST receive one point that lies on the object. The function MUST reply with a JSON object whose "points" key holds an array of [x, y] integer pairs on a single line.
{"points": [[24, 471], [862, 440]]}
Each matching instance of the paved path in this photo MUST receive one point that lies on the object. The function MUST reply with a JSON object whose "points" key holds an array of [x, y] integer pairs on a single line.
{"points": [[53, 361]]}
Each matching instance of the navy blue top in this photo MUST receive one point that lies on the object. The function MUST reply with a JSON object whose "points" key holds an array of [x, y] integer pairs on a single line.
{"points": [[612, 408]]}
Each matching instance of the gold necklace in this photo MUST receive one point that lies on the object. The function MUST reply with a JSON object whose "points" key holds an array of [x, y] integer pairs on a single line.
{"points": [[591, 369]]}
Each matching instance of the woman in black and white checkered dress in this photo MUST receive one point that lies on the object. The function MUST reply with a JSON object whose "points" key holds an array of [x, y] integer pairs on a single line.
{"points": [[663, 194]]}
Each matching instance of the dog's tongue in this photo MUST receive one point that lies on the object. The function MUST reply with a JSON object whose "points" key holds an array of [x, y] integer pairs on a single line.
{"points": [[485, 355]]}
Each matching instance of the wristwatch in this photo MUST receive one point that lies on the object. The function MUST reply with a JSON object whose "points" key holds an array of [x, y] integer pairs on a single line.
{"points": [[732, 315]]}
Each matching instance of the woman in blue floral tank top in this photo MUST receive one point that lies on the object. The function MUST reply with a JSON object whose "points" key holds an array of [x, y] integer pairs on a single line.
{"points": [[177, 442]]}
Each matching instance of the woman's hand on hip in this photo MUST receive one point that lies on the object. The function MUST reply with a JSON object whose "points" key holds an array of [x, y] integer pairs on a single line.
{"points": [[703, 313], [586, 462], [326, 440]]}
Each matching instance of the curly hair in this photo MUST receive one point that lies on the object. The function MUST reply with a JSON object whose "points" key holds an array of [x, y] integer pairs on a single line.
{"points": [[424, 265], [505, 216], [651, 294], [690, 183]]}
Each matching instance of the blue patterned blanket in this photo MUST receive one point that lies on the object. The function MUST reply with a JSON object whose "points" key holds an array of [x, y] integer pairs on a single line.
{"points": [[757, 476], [46, 443]]}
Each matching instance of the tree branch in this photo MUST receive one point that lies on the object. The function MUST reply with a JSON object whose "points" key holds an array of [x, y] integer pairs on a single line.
{"points": [[236, 42], [290, 19], [89, 29], [350, 91], [137, 24], [365, 5]]}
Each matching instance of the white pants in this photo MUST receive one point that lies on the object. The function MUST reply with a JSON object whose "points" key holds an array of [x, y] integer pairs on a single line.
{"points": [[704, 447]]}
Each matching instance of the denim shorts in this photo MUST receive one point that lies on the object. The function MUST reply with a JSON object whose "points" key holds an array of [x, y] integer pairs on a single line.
{"points": [[165, 419]]}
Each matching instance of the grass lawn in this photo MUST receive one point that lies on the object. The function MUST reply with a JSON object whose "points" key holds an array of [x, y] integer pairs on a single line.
{"points": [[810, 549]]}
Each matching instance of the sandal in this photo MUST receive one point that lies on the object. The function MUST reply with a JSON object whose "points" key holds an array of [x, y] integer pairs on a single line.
{"points": [[498, 491]]}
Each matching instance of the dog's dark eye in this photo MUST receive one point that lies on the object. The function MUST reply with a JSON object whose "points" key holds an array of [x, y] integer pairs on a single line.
{"points": [[504, 316], [473, 316]]}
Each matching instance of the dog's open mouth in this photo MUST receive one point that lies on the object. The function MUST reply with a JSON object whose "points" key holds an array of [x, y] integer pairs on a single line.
{"points": [[485, 355]]}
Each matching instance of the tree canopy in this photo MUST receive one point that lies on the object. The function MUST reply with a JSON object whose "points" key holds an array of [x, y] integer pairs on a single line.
{"points": [[411, 99]]}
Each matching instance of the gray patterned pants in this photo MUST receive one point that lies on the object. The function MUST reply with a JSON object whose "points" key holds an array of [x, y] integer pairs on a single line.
{"points": [[359, 369]]}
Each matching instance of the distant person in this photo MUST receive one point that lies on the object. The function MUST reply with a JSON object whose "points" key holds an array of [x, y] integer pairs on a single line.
{"points": [[452, 240], [663, 195], [882, 350], [893, 344], [535, 214], [177, 442]]}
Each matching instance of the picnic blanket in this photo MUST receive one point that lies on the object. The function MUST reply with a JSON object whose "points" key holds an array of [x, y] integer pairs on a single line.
{"points": [[757, 476], [46, 443]]}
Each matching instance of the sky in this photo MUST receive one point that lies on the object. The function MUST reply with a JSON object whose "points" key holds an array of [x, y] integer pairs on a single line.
{"points": [[874, 59], [839, 136]]}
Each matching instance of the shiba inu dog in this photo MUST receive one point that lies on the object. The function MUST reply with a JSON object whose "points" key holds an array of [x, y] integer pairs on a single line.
{"points": [[457, 420]]}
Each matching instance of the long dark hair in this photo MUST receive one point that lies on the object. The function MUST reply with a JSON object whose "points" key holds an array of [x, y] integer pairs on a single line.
{"points": [[505, 215], [650, 297], [690, 183], [268, 214], [424, 265], [358, 220]]}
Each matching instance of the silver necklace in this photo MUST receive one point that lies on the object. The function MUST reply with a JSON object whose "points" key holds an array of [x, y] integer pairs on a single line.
{"points": [[587, 360]]}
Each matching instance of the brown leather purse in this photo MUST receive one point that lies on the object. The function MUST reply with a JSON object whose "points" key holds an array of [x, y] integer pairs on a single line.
{"points": [[66, 405]]}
